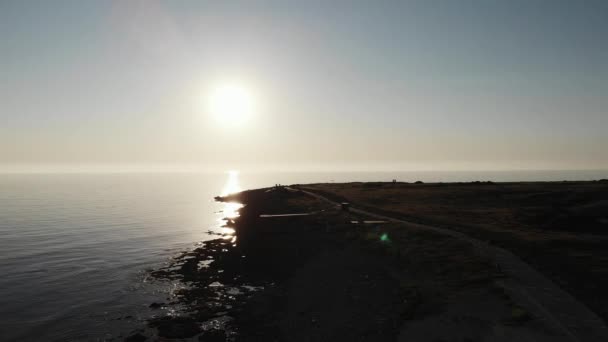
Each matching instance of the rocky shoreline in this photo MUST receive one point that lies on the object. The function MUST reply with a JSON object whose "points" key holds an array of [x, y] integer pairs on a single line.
{"points": [[323, 277]]}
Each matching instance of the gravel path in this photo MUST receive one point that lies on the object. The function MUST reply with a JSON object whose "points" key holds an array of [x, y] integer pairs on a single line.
{"points": [[568, 317]]}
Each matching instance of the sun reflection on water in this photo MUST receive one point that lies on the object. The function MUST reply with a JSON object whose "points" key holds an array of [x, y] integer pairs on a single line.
{"points": [[230, 210], [232, 183]]}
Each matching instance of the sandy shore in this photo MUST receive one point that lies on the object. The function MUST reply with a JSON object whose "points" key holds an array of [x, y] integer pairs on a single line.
{"points": [[322, 277]]}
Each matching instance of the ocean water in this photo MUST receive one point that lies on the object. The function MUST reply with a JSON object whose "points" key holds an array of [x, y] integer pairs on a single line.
{"points": [[75, 249]]}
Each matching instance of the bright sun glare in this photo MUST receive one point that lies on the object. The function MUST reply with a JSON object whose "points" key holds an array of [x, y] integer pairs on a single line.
{"points": [[231, 104]]}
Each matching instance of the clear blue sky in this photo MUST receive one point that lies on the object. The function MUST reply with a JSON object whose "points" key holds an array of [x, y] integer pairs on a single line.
{"points": [[423, 84]]}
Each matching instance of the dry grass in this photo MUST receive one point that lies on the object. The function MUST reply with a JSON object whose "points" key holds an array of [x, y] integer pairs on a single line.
{"points": [[561, 228]]}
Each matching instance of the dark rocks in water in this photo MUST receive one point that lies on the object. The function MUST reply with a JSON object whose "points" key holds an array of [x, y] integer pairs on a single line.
{"points": [[156, 305], [137, 337], [213, 335], [176, 327]]}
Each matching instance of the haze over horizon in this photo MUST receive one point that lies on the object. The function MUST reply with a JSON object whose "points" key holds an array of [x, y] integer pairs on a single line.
{"points": [[448, 85]]}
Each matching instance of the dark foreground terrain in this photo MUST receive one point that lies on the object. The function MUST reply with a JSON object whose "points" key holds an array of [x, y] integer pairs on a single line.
{"points": [[322, 277], [560, 228]]}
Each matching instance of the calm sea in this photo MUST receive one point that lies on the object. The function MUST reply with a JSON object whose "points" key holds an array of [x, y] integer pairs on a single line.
{"points": [[75, 248]]}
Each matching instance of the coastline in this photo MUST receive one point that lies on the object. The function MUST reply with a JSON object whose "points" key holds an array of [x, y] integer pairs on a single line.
{"points": [[321, 277]]}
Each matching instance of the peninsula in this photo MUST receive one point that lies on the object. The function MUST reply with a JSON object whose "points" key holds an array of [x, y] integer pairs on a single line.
{"points": [[478, 261]]}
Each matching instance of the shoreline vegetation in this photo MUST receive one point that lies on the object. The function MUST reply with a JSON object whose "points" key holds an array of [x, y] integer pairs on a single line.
{"points": [[331, 276]]}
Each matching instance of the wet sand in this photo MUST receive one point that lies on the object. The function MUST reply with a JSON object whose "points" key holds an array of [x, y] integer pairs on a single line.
{"points": [[321, 277]]}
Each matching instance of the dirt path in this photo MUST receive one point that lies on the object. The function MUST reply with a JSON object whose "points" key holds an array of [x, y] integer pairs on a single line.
{"points": [[533, 291]]}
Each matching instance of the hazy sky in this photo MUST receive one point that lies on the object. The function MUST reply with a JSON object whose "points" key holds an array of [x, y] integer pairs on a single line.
{"points": [[420, 84]]}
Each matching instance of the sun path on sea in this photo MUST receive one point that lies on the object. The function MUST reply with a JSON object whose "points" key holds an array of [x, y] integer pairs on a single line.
{"points": [[538, 294]]}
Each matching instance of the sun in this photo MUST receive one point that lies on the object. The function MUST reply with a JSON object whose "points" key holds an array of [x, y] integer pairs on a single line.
{"points": [[231, 104]]}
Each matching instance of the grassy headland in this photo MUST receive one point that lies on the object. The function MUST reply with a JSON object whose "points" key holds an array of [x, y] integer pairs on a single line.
{"points": [[321, 277], [561, 228]]}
